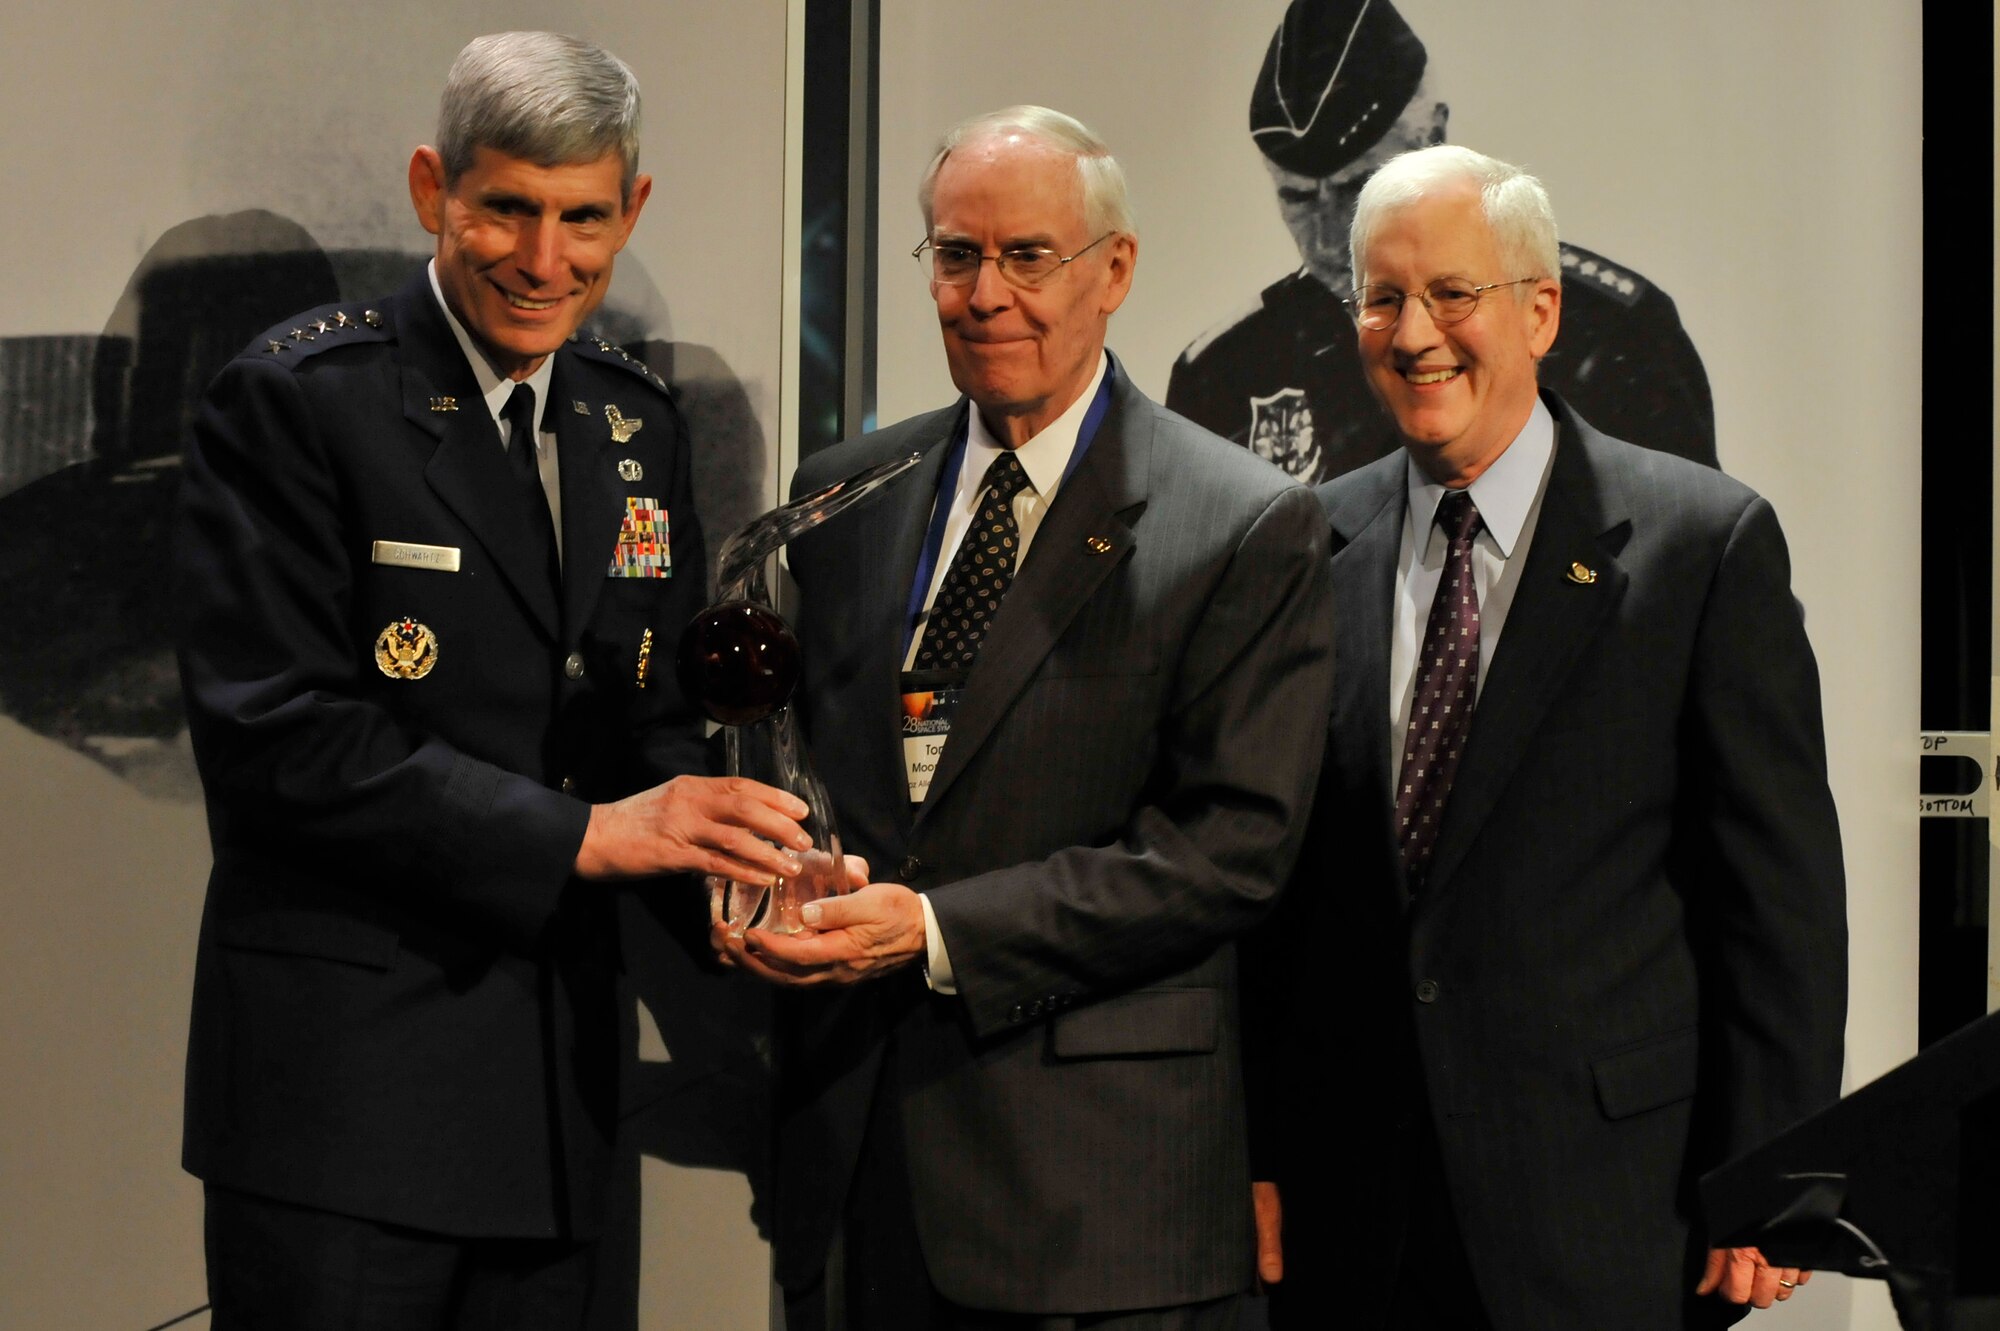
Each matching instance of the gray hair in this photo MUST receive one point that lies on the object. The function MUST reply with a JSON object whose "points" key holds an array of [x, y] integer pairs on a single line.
{"points": [[542, 97], [1515, 205], [1099, 177]]}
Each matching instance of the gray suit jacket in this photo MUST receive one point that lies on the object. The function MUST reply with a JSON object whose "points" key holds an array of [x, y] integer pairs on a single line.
{"points": [[1629, 962], [1121, 796]]}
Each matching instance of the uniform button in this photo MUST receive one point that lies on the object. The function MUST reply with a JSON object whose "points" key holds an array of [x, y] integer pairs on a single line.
{"points": [[1014, 1013], [568, 785], [1427, 991], [910, 867], [573, 665]]}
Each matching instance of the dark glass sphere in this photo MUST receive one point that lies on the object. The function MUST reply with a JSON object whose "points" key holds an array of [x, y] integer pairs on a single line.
{"points": [[739, 661]]}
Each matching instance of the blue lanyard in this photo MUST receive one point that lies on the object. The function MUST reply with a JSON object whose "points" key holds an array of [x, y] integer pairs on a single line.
{"points": [[948, 487]]}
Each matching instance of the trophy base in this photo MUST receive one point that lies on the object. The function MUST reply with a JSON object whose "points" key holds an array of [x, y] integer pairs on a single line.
{"points": [[775, 908]]}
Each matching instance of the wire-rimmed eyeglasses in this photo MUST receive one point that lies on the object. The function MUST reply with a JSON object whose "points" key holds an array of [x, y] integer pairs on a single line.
{"points": [[1028, 266], [1448, 299]]}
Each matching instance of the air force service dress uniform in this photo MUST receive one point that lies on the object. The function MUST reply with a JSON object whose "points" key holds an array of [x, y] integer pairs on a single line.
{"points": [[404, 1007]]}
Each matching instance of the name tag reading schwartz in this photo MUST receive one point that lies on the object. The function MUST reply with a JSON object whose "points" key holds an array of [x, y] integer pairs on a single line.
{"points": [[930, 699], [405, 554]]}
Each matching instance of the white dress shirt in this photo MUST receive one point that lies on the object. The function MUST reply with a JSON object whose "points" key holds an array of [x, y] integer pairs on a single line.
{"points": [[1044, 458], [495, 388], [1508, 495]]}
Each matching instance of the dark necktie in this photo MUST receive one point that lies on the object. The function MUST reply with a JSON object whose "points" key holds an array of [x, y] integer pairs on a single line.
{"points": [[1446, 686], [519, 414], [979, 575]]}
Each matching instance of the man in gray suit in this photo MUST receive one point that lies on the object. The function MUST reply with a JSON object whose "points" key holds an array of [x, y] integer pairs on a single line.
{"points": [[1109, 631], [1574, 892]]}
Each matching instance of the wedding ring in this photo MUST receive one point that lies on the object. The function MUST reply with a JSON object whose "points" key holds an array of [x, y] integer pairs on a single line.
{"points": [[1788, 1284]]}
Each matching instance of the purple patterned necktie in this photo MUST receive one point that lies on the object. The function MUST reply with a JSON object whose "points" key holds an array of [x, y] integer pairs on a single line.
{"points": [[979, 575], [1446, 686]]}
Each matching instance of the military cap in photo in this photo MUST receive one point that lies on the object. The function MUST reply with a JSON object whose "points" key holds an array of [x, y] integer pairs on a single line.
{"points": [[1337, 75]]}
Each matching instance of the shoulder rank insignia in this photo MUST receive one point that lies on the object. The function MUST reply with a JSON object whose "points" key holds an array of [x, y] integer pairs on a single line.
{"points": [[622, 428], [406, 650]]}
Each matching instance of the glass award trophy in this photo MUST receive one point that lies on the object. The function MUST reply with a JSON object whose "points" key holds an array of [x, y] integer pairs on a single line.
{"points": [[739, 660]]}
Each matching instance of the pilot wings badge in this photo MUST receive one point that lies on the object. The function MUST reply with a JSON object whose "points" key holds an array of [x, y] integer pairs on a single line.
{"points": [[623, 427]]}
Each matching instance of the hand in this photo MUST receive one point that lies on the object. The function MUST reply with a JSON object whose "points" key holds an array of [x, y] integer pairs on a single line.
{"points": [[1742, 1276], [866, 934], [728, 946], [1270, 1230], [728, 826]]}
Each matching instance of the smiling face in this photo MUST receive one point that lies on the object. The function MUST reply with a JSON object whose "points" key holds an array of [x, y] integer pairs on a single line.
{"points": [[1459, 392], [1023, 356], [524, 252]]}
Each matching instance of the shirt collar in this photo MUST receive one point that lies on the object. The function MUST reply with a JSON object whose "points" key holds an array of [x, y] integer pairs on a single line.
{"points": [[494, 388], [1504, 492], [1043, 457]]}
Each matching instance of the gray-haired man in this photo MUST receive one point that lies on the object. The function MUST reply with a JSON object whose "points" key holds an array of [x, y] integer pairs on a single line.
{"points": [[432, 548]]}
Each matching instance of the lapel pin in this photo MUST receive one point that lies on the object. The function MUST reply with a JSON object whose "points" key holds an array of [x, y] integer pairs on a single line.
{"points": [[1097, 545], [622, 426], [444, 404], [630, 470], [1581, 575], [576, 405], [645, 656]]}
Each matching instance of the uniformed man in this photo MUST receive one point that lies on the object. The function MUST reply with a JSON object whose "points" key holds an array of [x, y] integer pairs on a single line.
{"points": [[1341, 91], [433, 551]]}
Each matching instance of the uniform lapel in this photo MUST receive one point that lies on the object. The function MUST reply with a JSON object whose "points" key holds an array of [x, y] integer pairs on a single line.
{"points": [[469, 470], [1552, 619], [591, 500], [1368, 537], [1082, 539]]}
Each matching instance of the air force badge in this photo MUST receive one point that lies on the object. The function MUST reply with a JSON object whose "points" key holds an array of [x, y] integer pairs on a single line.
{"points": [[406, 650], [623, 427]]}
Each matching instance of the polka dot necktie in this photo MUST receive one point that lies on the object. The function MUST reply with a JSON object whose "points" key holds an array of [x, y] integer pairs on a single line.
{"points": [[979, 575], [1446, 686]]}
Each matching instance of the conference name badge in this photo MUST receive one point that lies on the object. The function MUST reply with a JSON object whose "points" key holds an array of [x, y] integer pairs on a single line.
{"points": [[643, 550], [930, 702]]}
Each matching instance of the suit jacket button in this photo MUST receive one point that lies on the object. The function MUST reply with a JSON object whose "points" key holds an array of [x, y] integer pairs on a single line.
{"points": [[1427, 991], [910, 867], [573, 666], [567, 785]]}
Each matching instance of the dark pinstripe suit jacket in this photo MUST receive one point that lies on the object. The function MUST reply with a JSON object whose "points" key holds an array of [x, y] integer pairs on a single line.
{"points": [[1122, 794], [1630, 960]]}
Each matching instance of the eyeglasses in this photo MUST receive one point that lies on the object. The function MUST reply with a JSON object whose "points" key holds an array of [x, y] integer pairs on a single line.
{"points": [[1027, 267], [1448, 299]]}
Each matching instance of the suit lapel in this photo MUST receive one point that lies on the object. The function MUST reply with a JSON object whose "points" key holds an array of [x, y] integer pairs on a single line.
{"points": [[1084, 537], [884, 568], [1364, 571], [1552, 619], [591, 500], [469, 470]]}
